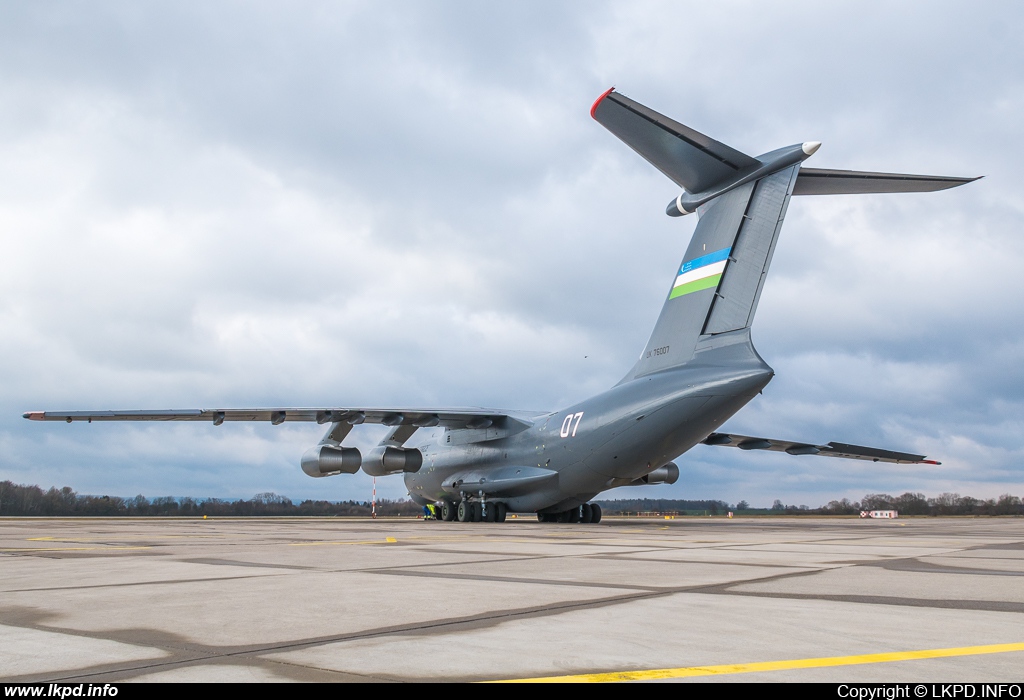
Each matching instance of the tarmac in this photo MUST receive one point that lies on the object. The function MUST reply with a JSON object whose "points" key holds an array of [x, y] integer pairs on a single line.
{"points": [[690, 599]]}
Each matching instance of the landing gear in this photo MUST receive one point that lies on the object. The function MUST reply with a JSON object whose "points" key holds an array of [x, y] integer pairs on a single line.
{"points": [[586, 513], [466, 511]]}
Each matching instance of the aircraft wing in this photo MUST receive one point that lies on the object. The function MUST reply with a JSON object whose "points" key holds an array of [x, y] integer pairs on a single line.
{"points": [[832, 449], [456, 418], [820, 181]]}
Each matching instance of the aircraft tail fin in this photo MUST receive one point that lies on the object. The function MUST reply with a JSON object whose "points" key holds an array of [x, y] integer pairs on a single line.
{"points": [[719, 282], [741, 202]]}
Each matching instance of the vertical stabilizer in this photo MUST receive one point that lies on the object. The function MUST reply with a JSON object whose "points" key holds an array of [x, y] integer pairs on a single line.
{"points": [[741, 202], [736, 300], [719, 282]]}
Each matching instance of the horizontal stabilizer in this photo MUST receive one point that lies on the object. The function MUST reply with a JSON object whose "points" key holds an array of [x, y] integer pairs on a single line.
{"points": [[690, 159], [832, 449], [819, 181]]}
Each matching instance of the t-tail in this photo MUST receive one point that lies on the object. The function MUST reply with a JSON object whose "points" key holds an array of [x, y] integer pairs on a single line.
{"points": [[741, 202]]}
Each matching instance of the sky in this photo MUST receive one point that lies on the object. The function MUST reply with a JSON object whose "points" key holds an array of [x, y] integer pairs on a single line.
{"points": [[230, 204]]}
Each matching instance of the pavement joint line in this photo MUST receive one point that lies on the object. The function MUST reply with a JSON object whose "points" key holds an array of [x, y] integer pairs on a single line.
{"points": [[389, 540], [70, 549], [514, 579], [763, 666], [195, 655], [132, 584], [81, 539]]}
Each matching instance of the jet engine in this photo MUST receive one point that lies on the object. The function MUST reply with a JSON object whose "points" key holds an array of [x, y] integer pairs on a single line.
{"points": [[325, 460], [667, 474], [382, 461]]}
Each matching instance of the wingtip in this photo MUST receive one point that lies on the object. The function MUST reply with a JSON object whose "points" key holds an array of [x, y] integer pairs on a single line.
{"points": [[34, 415], [604, 94], [929, 461]]}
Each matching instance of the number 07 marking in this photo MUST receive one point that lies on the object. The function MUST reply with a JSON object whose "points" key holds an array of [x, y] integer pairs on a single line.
{"points": [[567, 427]]}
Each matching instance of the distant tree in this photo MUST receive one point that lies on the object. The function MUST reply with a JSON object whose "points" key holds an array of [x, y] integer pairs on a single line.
{"points": [[164, 505], [1009, 505], [912, 504], [777, 505], [742, 505], [138, 505], [270, 498], [842, 507], [945, 504]]}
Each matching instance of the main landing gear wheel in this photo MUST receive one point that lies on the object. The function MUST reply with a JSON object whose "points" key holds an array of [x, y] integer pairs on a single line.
{"points": [[500, 511], [490, 512], [587, 513], [465, 512], [448, 511]]}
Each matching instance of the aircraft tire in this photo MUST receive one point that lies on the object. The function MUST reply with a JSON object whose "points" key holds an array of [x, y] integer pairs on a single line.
{"points": [[586, 513], [491, 515], [478, 514], [545, 518], [595, 516], [465, 512], [448, 511], [574, 514], [500, 511]]}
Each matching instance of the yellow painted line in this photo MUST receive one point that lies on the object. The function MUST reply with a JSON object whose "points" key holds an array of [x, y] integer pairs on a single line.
{"points": [[761, 666]]}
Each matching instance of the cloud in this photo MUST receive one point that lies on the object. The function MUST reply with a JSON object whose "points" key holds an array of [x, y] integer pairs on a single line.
{"points": [[408, 204]]}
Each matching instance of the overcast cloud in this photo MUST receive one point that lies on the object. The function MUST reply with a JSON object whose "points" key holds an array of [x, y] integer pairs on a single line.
{"points": [[407, 203]]}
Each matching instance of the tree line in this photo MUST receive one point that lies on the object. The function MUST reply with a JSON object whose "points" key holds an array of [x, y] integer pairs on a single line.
{"points": [[918, 504], [18, 499], [907, 504]]}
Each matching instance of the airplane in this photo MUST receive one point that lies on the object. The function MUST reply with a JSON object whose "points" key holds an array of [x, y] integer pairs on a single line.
{"points": [[699, 366]]}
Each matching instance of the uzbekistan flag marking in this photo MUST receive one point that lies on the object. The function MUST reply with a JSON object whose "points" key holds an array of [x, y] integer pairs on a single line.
{"points": [[700, 273]]}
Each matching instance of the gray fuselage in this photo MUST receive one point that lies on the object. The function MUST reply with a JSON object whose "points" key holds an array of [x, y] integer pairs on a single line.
{"points": [[564, 458]]}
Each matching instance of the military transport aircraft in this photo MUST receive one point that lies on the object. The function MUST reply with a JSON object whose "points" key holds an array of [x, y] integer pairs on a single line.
{"points": [[698, 369]]}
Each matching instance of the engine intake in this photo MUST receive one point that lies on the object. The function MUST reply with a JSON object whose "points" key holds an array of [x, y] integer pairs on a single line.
{"points": [[325, 460]]}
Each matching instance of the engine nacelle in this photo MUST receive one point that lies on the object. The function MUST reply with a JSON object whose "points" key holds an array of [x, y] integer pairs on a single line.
{"points": [[324, 460], [382, 461], [667, 474]]}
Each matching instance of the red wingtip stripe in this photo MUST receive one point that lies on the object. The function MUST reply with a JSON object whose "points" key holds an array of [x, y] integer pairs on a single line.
{"points": [[929, 461], [598, 100], [35, 415]]}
